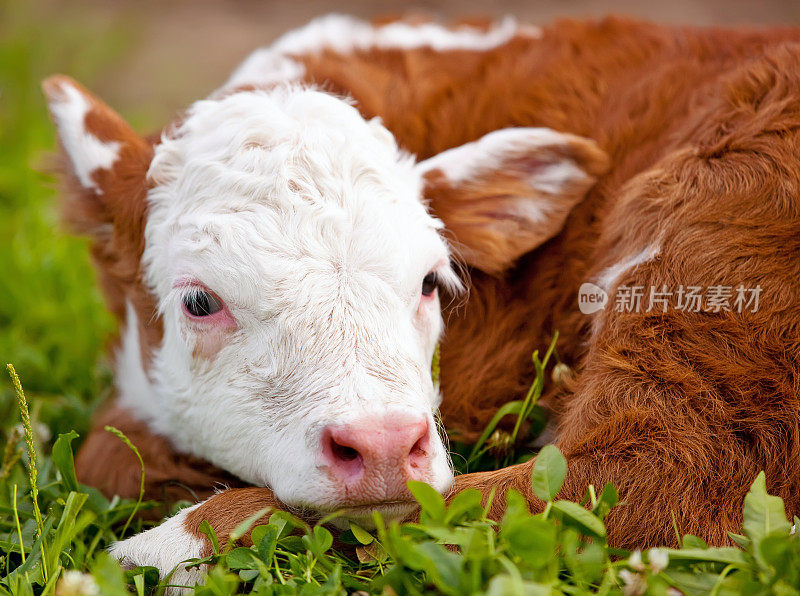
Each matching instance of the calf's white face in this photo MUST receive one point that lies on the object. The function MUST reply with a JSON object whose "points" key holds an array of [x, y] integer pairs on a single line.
{"points": [[296, 271], [299, 227]]}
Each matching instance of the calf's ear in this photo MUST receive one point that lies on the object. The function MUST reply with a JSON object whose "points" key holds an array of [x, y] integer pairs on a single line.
{"points": [[104, 167], [508, 192], [105, 161]]}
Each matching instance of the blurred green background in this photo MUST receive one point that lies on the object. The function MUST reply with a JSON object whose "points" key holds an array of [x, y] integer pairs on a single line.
{"points": [[149, 59]]}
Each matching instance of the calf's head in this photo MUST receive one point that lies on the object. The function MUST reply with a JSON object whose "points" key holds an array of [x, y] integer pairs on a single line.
{"points": [[278, 273]]}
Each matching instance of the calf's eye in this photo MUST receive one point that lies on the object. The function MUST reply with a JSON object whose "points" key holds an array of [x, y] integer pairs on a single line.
{"points": [[429, 284], [201, 304]]}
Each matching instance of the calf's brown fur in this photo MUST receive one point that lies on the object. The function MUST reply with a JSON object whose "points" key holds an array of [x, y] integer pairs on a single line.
{"points": [[680, 410]]}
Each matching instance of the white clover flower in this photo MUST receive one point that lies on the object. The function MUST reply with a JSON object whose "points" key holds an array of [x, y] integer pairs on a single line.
{"points": [[659, 559], [635, 560], [633, 584], [75, 583]]}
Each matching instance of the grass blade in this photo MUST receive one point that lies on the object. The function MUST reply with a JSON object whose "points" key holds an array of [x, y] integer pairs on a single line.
{"points": [[22, 402], [118, 433]]}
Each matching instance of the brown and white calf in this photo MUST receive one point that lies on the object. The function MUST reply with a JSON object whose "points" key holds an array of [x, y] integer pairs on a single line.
{"points": [[274, 258]]}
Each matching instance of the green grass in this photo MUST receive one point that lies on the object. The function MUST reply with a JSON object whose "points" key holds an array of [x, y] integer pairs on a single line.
{"points": [[53, 530], [53, 325], [54, 328]]}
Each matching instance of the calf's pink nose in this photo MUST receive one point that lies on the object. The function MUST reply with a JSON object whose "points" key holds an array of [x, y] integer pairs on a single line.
{"points": [[371, 459]]}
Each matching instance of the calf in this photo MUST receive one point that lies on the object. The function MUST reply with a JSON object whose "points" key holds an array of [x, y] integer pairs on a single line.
{"points": [[275, 268]]}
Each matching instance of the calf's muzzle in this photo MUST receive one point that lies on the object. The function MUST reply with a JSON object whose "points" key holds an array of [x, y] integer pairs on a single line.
{"points": [[371, 459]]}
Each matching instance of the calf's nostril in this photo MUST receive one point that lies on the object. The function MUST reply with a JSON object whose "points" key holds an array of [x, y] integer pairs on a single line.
{"points": [[343, 452], [418, 455]]}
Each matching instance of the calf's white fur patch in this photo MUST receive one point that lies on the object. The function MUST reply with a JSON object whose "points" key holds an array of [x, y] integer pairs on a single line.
{"points": [[165, 547], [609, 276], [86, 152], [487, 154], [344, 34], [134, 390]]}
